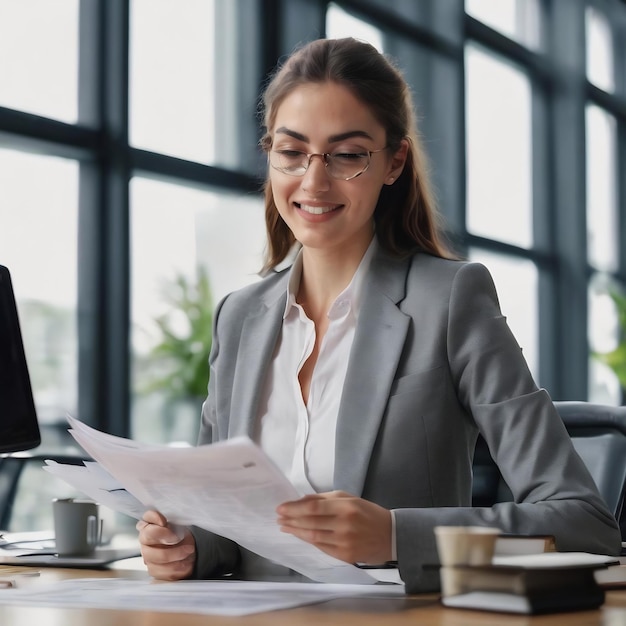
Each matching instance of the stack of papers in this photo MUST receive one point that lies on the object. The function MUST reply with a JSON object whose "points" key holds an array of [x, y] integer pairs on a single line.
{"points": [[230, 488]]}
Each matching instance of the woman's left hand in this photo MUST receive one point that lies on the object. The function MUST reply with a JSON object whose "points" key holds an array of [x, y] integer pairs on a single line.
{"points": [[349, 528]]}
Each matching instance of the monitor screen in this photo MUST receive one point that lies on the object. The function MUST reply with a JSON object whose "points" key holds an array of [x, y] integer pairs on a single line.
{"points": [[19, 429]]}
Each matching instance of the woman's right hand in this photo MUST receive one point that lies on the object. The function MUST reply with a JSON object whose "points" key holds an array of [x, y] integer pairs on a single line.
{"points": [[169, 552]]}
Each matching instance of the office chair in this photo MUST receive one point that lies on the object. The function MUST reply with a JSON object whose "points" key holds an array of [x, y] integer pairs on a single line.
{"points": [[598, 433], [12, 467]]}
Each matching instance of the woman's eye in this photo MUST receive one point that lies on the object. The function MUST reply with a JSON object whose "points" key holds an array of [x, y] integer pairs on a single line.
{"points": [[290, 154], [349, 156]]}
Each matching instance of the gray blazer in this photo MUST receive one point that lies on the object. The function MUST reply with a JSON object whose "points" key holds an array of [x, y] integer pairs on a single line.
{"points": [[433, 363]]}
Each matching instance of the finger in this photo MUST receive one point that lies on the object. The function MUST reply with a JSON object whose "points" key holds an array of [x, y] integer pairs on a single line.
{"points": [[327, 496], [154, 517], [345, 524], [316, 536], [326, 542], [178, 530], [169, 570], [154, 535], [323, 522], [308, 505], [169, 562], [315, 497], [166, 555], [326, 505], [176, 533], [151, 517]]}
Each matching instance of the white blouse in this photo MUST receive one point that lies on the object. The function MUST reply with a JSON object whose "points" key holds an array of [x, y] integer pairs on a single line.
{"points": [[300, 438]]}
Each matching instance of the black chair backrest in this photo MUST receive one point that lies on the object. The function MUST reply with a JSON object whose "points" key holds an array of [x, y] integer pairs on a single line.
{"points": [[598, 433], [12, 467]]}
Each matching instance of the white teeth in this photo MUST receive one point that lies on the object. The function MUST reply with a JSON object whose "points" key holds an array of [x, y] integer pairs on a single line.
{"points": [[316, 210]]}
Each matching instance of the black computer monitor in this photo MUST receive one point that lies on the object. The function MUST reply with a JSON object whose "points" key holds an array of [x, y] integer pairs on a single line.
{"points": [[19, 428]]}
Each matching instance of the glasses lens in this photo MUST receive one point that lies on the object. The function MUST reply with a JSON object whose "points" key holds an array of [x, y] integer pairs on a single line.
{"points": [[289, 161], [346, 165], [341, 165]]}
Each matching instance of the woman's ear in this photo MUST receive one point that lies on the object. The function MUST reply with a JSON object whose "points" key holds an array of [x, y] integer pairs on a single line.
{"points": [[397, 162]]}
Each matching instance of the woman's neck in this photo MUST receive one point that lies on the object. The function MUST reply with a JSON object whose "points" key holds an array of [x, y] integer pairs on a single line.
{"points": [[325, 274]]}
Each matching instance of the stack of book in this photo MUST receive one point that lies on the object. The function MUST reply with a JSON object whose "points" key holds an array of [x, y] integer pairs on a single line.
{"points": [[528, 583]]}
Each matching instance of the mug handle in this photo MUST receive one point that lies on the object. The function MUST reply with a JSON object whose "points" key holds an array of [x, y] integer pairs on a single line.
{"points": [[94, 531]]}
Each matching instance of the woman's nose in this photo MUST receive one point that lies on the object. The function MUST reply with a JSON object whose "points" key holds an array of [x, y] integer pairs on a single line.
{"points": [[316, 177]]}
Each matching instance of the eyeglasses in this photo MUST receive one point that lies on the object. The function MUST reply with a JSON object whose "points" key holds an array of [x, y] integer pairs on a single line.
{"points": [[339, 165]]}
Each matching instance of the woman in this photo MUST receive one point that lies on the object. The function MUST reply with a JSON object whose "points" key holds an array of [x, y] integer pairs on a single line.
{"points": [[367, 368]]}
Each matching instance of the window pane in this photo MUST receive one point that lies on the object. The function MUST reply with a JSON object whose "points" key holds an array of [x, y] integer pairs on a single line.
{"points": [[177, 233], [172, 66], [39, 57], [499, 150], [599, 50], [516, 282], [602, 231], [517, 19], [38, 243], [604, 338], [339, 23]]}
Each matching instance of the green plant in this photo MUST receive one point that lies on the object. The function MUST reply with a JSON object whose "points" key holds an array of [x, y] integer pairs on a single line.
{"points": [[616, 359], [179, 361]]}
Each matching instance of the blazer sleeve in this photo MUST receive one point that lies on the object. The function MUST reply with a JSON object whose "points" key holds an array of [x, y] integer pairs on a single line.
{"points": [[553, 491]]}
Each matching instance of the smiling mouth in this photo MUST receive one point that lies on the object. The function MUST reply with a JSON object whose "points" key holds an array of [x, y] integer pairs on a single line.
{"points": [[317, 210]]}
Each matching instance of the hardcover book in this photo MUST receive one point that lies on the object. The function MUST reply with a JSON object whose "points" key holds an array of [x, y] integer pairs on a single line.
{"points": [[529, 584]]}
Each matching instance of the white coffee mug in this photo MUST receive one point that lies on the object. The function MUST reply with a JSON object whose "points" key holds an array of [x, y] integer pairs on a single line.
{"points": [[77, 526]]}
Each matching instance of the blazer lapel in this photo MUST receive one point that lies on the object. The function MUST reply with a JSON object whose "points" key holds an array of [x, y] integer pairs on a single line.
{"points": [[378, 342], [259, 334]]}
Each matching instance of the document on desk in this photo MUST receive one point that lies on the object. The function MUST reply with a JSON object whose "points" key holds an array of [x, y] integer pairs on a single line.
{"points": [[228, 597], [230, 488]]}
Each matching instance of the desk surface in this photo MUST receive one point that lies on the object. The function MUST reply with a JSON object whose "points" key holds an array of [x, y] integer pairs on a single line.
{"points": [[423, 610]]}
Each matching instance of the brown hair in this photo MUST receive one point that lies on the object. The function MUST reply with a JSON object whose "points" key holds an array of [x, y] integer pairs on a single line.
{"points": [[406, 216]]}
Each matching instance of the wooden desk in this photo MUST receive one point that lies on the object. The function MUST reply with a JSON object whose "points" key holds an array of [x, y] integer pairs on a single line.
{"points": [[415, 610]]}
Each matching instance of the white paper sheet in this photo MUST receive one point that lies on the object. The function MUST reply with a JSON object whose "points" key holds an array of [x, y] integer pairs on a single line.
{"points": [[231, 488], [202, 597], [94, 481]]}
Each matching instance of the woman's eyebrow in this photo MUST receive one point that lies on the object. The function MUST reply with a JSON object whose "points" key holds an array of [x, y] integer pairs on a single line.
{"points": [[292, 133], [349, 135], [332, 139]]}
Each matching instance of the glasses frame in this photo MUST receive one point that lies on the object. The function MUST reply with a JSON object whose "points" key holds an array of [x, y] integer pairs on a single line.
{"points": [[325, 156]]}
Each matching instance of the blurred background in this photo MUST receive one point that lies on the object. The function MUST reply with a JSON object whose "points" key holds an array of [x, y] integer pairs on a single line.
{"points": [[130, 182]]}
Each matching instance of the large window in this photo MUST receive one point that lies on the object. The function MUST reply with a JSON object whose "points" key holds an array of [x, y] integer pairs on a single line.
{"points": [[38, 243], [605, 222], [602, 217], [516, 19], [599, 49], [128, 162], [189, 249], [540, 203], [131, 178], [172, 78], [499, 149], [39, 52]]}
